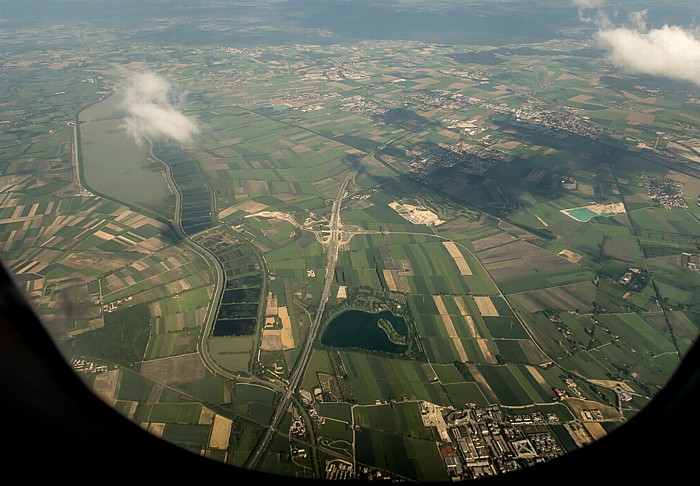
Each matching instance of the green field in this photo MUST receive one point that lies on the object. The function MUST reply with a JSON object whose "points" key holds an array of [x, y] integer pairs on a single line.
{"points": [[194, 437], [375, 378], [175, 413], [461, 394], [403, 418], [506, 386], [410, 458], [442, 125], [254, 402], [336, 411]]}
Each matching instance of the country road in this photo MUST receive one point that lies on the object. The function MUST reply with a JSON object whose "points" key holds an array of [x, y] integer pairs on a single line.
{"points": [[303, 360]]}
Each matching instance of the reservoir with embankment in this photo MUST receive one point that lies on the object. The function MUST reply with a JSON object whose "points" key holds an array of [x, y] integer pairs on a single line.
{"points": [[372, 331]]}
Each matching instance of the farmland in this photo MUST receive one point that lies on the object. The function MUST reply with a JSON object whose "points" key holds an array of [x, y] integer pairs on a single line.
{"points": [[393, 232]]}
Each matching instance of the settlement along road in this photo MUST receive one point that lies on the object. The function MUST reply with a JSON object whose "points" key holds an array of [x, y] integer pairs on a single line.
{"points": [[303, 360]]}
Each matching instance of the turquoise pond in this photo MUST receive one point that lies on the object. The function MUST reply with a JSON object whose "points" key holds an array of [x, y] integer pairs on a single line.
{"points": [[582, 214]]}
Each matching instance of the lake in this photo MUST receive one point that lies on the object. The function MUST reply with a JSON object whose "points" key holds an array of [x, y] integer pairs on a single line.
{"points": [[114, 165], [361, 329]]}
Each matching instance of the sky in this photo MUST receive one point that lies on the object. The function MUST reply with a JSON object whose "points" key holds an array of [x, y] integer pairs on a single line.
{"points": [[669, 51]]}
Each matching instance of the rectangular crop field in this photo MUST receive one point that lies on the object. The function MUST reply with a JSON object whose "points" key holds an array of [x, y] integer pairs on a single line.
{"points": [[403, 419], [412, 458], [505, 385], [375, 378]]}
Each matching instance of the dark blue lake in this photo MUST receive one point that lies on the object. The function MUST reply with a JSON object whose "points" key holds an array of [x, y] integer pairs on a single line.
{"points": [[361, 329]]}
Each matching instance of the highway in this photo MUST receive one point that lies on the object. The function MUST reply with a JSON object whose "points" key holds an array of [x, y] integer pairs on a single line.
{"points": [[303, 360]]}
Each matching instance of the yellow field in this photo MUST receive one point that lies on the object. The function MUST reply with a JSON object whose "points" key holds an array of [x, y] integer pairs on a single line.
{"points": [[132, 410], [458, 258], [105, 386], [220, 433], [465, 313], [389, 277], [485, 387], [486, 306], [570, 256], [279, 339], [271, 341], [595, 429], [104, 235], [486, 351], [248, 207], [286, 333], [206, 416], [538, 377], [483, 343], [155, 428], [450, 328]]}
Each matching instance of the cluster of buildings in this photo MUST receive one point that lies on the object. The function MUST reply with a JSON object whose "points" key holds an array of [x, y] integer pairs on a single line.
{"points": [[85, 366], [473, 159], [485, 441], [558, 119], [473, 73], [363, 106], [563, 120], [112, 306], [253, 52], [688, 260], [306, 96], [339, 469], [429, 100], [667, 192]]}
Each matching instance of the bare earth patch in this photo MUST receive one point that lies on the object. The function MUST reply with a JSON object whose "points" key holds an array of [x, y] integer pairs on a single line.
{"points": [[485, 387], [155, 428], [467, 317], [486, 307], [540, 380], [458, 258], [491, 241], [389, 277], [578, 405], [613, 384], [177, 369], [105, 386], [220, 433], [570, 256], [450, 328], [206, 416], [595, 429]]}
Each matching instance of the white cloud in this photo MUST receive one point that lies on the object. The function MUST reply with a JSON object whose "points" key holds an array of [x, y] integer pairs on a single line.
{"points": [[150, 111], [639, 20], [671, 51], [588, 3], [598, 17]]}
